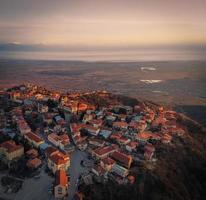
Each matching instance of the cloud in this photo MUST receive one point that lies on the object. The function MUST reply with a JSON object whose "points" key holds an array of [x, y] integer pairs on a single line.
{"points": [[102, 23]]}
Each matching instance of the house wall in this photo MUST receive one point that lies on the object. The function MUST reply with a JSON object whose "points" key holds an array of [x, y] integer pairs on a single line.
{"points": [[60, 191], [53, 167], [10, 156]]}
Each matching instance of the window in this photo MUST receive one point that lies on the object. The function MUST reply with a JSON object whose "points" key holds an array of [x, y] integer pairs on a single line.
{"points": [[59, 190]]}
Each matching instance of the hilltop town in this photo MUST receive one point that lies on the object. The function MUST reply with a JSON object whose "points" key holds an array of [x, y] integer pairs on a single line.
{"points": [[43, 132]]}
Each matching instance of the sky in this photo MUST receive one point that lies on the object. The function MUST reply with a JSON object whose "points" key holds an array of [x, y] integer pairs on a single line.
{"points": [[92, 25]]}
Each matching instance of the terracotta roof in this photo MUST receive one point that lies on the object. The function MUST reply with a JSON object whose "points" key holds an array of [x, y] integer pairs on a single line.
{"points": [[64, 136], [116, 136], [64, 139], [122, 158], [96, 121], [108, 161], [131, 179], [91, 128], [82, 106], [10, 146], [123, 139], [61, 178], [148, 135], [59, 158], [49, 150], [159, 120], [34, 137], [144, 135], [166, 138], [76, 127], [34, 163], [132, 144], [120, 124], [96, 140], [54, 136], [32, 152], [104, 150], [99, 169], [138, 125]]}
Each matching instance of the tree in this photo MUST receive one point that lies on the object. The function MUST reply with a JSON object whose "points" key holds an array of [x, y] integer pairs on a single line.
{"points": [[52, 104]]}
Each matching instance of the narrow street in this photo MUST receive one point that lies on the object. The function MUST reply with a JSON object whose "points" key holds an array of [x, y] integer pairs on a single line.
{"points": [[76, 170]]}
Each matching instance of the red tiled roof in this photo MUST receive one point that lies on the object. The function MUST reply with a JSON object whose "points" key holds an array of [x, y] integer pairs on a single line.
{"points": [[131, 179], [34, 137], [108, 161], [76, 127], [123, 139], [166, 138], [115, 136], [144, 135], [32, 152], [91, 128], [138, 125], [96, 140], [54, 136], [82, 106], [104, 150], [61, 178], [64, 136], [50, 150], [64, 139], [96, 121], [120, 124], [132, 144], [148, 135], [59, 158], [122, 158], [99, 169], [34, 163], [10, 146]]}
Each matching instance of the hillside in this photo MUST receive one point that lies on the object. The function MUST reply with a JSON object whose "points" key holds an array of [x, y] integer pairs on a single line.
{"points": [[179, 172]]}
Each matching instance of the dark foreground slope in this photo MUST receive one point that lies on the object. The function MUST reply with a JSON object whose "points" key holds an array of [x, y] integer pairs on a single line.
{"points": [[179, 173]]}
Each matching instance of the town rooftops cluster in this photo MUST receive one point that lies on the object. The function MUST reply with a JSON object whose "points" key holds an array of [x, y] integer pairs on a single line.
{"points": [[116, 136]]}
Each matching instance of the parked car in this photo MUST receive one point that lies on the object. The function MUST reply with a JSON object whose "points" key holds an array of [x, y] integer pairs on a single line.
{"points": [[37, 176]]}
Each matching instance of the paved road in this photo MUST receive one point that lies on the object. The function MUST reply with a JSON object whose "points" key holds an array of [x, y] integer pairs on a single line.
{"points": [[76, 170], [36, 188]]}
